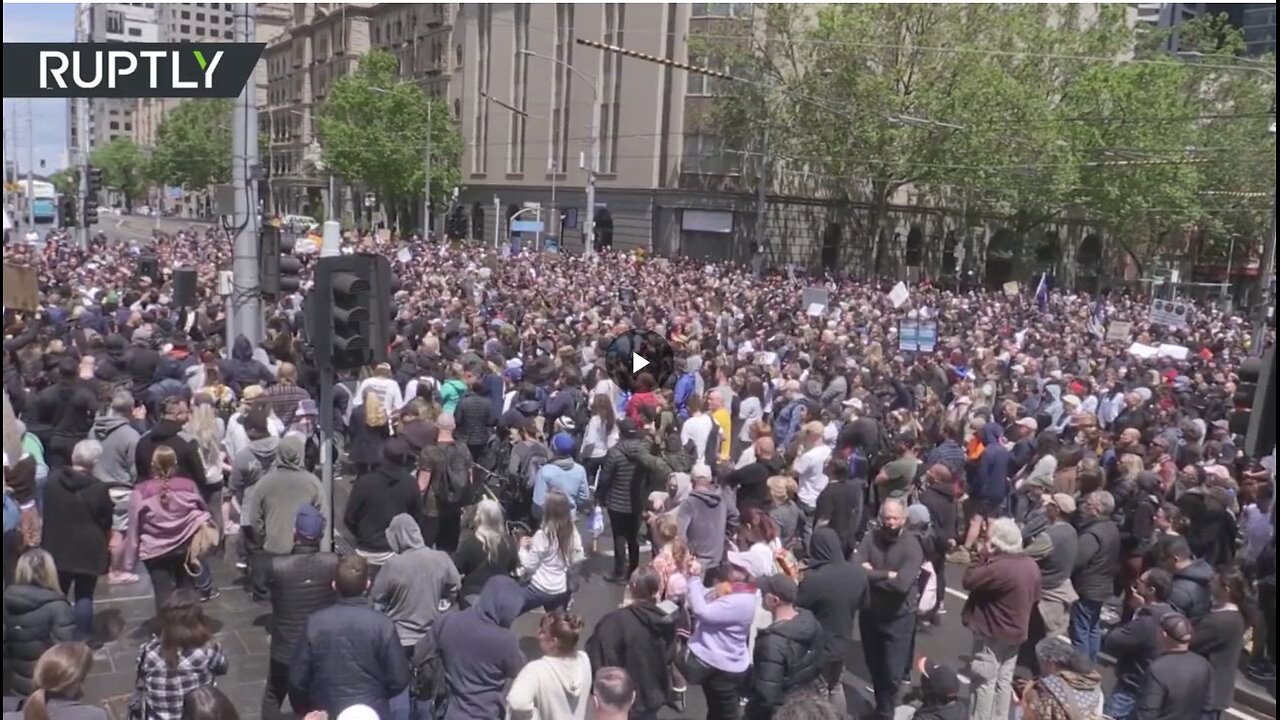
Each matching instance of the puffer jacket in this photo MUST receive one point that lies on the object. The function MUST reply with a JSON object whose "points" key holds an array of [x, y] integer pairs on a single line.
{"points": [[35, 619], [242, 370], [301, 584], [1190, 592], [117, 467], [476, 420], [1097, 559], [629, 472], [349, 654], [786, 660], [72, 407]]}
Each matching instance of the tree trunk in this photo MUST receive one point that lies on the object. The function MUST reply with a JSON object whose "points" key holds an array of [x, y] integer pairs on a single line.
{"points": [[878, 214]]}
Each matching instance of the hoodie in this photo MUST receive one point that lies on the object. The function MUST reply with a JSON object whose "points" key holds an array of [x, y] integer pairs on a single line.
{"points": [[552, 687], [722, 624], [242, 370], [410, 586], [117, 467], [786, 659], [703, 518], [834, 590], [249, 464], [989, 478], [479, 652], [565, 475], [274, 501], [1190, 593], [169, 433], [639, 638], [376, 498]]}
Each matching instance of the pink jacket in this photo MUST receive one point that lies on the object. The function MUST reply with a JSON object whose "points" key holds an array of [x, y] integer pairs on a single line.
{"points": [[157, 529]]}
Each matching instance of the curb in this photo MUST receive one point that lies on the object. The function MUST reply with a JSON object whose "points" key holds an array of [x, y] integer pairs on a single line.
{"points": [[1255, 697]]}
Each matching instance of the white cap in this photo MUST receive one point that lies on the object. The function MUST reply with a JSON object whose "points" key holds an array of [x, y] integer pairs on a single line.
{"points": [[358, 712]]}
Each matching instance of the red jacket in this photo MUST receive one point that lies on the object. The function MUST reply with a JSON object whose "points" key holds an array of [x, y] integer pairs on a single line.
{"points": [[639, 400]]}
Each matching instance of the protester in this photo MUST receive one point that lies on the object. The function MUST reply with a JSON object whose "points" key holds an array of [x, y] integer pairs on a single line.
{"points": [[486, 551], [557, 684], [117, 467], [892, 560], [1068, 686], [413, 586], [58, 686], [1219, 636], [705, 517], [1097, 565], [36, 617], [787, 657], [377, 497], [629, 471], [274, 501], [1191, 594], [834, 590], [1135, 643], [562, 474], [718, 657], [612, 694], [182, 657], [547, 559], [1179, 682], [78, 515], [639, 638], [208, 703], [478, 651]]}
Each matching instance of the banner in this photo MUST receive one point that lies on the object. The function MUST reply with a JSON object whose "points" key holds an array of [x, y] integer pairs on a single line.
{"points": [[1119, 331], [1170, 313], [20, 288]]}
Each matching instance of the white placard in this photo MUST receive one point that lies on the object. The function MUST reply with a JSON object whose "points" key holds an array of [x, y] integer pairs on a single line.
{"points": [[899, 294], [403, 255], [1177, 352], [1171, 313], [815, 310], [1012, 288], [1119, 331], [1139, 350]]}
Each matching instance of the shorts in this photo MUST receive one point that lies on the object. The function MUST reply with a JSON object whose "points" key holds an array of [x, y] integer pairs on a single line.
{"points": [[990, 509], [120, 508]]}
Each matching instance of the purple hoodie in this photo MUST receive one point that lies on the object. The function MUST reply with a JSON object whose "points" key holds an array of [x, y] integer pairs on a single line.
{"points": [[722, 626], [156, 528]]}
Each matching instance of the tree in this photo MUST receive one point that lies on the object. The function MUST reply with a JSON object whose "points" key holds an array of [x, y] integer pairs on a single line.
{"points": [[373, 131], [193, 145], [124, 168], [66, 182]]}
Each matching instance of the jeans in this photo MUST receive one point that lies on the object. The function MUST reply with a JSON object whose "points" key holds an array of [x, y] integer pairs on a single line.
{"points": [[991, 670], [1122, 703], [277, 689], [723, 692], [406, 707], [626, 532], [886, 646], [534, 597], [82, 598], [1086, 627], [168, 573]]}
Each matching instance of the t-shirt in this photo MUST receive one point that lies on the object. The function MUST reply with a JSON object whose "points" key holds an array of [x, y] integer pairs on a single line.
{"points": [[901, 473], [697, 429], [811, 474], [725, 421]]}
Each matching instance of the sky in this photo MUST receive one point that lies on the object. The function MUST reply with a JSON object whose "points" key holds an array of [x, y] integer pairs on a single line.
{"points": [[52, 22]]}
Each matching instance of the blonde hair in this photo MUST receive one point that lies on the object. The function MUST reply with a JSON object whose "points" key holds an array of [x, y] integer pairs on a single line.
{"points": [[36, 567], [1131, 466], [489, 527], [668, 529], [59, 674], [164, 461], [781, 488], [203, 425]]}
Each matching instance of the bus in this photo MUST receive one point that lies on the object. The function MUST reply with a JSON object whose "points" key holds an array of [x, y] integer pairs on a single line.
{"points": [[44, 201]]}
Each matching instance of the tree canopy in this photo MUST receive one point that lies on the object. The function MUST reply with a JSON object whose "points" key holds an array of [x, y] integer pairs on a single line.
{"points": [[124, 168], [193, 145]]}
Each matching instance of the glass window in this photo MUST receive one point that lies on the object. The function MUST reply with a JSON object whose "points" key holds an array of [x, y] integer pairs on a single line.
{"points": [[128, 126], [113, 125], [186, 15], [227, 34], [228, 20], [135, 32], [200, 30], [115, 21], [199, 17]]}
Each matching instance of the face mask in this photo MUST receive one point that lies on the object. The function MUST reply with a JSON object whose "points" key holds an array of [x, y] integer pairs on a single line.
{"points": [[890, 532]]}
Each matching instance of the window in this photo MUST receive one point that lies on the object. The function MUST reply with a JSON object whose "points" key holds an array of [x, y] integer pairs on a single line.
{"points": [[705, 154], [615, 17], [228, 20], [185, 29], [128, 127], [480, 135], [704, 85], [561, 90], [519, 89], [113, 125], [457, 56], [115, 21], [227, 34], [227, 7], [199, 17], [200, 30], [135, 32], [729, 10], [377, 35], [186, 15]]}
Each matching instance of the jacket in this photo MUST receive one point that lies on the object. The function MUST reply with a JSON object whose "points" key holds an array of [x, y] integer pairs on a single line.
{"points": [[1135, 644], [786, 659], [686, 386], [410, 586], [450, 393], [903, 554], [628, 474], [300, 584], [60, 709], [242, 370], [1190, 592], [565, 475], [834, 590], [275, 500], [1177, 687], [169, 433], [940, 499], [1003, 591], [35, 619], [722, 625], [479, 652], [704, 518], [476, 420], [1219, 638], [71, 407], [251, 463], [118, 465], [1097, 559], [348, 655], [989, 478], [788, 424], [376, 498], [158, 526], [77, 520], [641, 639], [1057, 566]]}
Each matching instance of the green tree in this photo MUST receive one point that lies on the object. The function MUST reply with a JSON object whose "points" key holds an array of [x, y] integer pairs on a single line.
{"points": [[193, 145], [66, 182], [124, 168], [373, 131]]}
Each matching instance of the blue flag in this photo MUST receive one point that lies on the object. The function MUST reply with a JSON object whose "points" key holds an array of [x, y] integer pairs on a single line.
{"points": [[1042, 291]]}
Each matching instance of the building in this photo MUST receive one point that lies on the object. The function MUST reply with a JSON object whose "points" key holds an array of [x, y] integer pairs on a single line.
{"points": [[1258, 23], [1168, 15], [108, 119]]}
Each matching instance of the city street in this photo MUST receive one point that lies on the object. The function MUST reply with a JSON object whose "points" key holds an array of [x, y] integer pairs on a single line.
{"points": [[122, 611]]}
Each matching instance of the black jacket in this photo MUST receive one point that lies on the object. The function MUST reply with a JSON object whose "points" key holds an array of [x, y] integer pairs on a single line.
{"points": [[786, 659], [902, 554], [77, 512], [1097, 559], [35, 619], [1190, 593], [1177, 687], [476, 420], [166, 432], [376, 497], [940, 499], [349, 654], [841, 505], [300, 584], [834, 590], [641, 639], [626, 476], [242, 370], [1219, 638], [71, 407], [1135, 644]]}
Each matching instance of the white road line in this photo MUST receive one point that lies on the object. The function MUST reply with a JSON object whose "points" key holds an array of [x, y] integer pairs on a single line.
{"points": [[1107, 658]]}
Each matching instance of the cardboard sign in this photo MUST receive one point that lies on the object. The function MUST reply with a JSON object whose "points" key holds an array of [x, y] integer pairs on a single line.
{"points": [[1144, 352], [1177, 352], [917, 335], [20, 288], [1012, 288], [811, 296], [1119, 331], [403, 255], [384, 235], [899, 294]]}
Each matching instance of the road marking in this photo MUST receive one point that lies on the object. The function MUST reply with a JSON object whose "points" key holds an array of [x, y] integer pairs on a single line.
{"points": [[1103, 656]]}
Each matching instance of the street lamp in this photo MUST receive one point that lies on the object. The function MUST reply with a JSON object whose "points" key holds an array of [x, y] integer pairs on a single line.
{"points": [[589, 223]]}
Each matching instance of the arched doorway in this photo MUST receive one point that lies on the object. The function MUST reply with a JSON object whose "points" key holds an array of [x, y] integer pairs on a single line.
{"points": [[915, 247], [603, 229], [1089, 262], [831, 247], [1048, 251], [477, 222]]}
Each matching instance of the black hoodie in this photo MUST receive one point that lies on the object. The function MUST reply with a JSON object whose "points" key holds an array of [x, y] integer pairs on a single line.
{"points": [[376, 497], [786, 659], [639, 638], [834, 589], [167, 433], [77, 521]]}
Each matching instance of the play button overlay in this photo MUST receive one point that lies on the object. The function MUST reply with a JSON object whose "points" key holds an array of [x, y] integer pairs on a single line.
{"points": [[637, 360]]}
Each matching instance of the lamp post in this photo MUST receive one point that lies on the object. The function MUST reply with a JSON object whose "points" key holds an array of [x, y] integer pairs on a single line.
{"points": [[589, 223]]}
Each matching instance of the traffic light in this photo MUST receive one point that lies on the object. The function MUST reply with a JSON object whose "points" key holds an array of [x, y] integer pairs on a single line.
{"points": [[67, 211], [349, 311], [95, 180], [91, 197], [281, 270], [1255, 404]]}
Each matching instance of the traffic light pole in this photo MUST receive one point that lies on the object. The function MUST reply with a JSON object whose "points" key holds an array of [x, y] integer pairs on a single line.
{"points": [[327, 453], [82, 119], [246, 301]]}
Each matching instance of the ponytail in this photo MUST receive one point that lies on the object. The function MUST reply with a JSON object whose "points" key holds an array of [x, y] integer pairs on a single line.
{"points": [[36, 707]]}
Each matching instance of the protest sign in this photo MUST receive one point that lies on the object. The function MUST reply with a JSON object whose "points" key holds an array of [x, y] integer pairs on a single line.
{"points": [[899, 294], [1119, 331]]}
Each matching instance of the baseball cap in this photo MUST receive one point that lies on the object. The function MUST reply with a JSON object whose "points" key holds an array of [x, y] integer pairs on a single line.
{"points": [[1029, 423], [1065, 502], [940, 680], [308, 523], [780, 586], [562, 443]]}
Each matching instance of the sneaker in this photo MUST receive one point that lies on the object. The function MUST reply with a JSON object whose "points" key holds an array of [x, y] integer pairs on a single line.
{"points": [[211, 595], [1261, 671], [677, 700], [121, 578]]}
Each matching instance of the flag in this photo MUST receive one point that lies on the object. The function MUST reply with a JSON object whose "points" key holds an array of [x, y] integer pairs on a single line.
{"points": [[1098, 319], [1042, 291]]}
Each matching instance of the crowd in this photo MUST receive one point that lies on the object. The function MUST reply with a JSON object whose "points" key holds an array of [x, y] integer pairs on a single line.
{"points": [[800, 475]]}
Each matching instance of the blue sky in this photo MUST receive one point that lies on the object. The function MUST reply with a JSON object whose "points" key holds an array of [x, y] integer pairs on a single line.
{"points": [[51, 22]]}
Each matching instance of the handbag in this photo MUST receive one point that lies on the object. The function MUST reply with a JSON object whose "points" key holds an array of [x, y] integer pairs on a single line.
{"points": [[137, 708], [204, 540]]}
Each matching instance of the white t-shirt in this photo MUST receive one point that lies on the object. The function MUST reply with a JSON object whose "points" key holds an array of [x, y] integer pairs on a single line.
{"points": [[546, 568], [596, 439], [811, 473], [749, 412], [698, 429]]}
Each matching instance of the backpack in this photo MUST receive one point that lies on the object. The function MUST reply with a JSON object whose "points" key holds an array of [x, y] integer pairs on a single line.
{"points": [[375, 414], [428, 685], [458, 488], [581, 413]]}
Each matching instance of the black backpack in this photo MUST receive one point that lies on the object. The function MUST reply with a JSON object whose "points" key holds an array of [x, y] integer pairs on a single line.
{"points": [[457, 487]]}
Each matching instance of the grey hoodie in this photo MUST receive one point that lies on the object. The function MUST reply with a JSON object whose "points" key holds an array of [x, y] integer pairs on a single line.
{"points": [[273, 502], [118, 466], [248, 466], [704, 519], [410, 586]]}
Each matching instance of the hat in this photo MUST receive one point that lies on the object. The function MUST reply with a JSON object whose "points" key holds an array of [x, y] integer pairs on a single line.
{"points": [[701, 470], [1028, 423], [562, 443], [1071, 400], [627, 427], [940, 680], [779, 586], [1040, 480], [306, 408], [753, 563], [1065, 502], [358, 712], [309, 523], [917, 514]]}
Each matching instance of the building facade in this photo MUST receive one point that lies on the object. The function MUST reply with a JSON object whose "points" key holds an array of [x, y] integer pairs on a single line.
{"points": [[108, 119]]}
